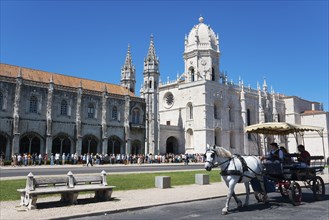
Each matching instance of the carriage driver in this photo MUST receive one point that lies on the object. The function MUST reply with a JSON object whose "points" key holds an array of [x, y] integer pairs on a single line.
{"points": [[275, 155]]}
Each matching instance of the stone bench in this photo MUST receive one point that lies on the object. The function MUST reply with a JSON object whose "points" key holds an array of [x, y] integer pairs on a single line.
{"points": [[162, 182], [201, 179], [67, 186]]}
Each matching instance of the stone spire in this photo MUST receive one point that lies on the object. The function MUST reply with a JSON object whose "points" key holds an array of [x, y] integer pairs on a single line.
{"points": [[128, 72], [128, 61], [151, 56]]}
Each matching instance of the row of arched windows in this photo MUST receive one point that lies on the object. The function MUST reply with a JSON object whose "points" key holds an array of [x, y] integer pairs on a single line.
{"points": [[192, 72], [33, 108], [189, 112]]}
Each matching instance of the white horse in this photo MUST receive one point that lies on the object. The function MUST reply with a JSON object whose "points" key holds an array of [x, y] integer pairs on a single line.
{"points": [[235, 169]]}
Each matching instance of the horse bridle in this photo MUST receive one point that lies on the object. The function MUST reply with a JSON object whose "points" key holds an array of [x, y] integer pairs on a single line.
{"points": [[218, 164]]}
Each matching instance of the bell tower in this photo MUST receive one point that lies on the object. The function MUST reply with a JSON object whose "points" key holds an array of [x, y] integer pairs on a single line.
{"points": [[201, 54], [150, 91]]}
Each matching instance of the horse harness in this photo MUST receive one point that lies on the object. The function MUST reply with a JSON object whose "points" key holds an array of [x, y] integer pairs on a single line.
{"points": [[236, 172]]}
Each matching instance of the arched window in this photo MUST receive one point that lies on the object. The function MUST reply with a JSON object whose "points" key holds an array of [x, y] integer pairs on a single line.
{"points": [[64, 107], [231, 114], [189, 111], [192, 75], [248, 122], [91, 110], [33, 104], [1, 101], [215, 112], [114, 113], [135, 116], [212, 74], [248, 117], [232, 140]]}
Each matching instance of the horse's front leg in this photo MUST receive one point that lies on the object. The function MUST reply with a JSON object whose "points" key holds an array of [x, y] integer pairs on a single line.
{"points": [[246, 184], [231, 184], [228, 198]]}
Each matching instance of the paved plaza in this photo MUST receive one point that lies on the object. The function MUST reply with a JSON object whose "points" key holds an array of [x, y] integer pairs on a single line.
{"points": [[50, 207]]}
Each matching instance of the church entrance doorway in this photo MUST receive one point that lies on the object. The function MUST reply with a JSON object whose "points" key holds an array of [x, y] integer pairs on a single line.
{"points": [[172, 145]]}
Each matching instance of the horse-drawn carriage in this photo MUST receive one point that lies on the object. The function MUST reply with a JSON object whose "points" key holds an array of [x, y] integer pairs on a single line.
{"points": [[283, 178]]}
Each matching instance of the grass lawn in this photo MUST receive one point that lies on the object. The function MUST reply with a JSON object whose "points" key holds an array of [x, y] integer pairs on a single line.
{"points": [[121, 181]]}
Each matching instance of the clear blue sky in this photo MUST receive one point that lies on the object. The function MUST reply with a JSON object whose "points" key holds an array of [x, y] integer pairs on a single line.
{"points": [[285, 42]]}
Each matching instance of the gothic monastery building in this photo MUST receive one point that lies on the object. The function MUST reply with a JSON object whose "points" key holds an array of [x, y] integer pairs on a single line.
{"points": [[47, 113]]}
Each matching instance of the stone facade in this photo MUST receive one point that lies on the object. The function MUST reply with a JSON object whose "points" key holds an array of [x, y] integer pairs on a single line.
{"points": [[44, 112]]}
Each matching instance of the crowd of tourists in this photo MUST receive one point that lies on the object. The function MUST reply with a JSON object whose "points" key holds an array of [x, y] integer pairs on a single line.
{"points": [[87, 159]]}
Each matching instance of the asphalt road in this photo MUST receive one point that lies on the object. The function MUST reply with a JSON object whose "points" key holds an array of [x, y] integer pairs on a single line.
{"points": [[278, 208], [58, 170]]}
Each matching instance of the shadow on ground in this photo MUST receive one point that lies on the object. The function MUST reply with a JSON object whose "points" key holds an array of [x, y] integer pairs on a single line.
{"points": [[56, 204]]}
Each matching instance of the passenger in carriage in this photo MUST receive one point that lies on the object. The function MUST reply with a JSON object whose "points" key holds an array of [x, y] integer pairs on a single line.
{"points": [[275, 155], [303, 157], [286, 156]]}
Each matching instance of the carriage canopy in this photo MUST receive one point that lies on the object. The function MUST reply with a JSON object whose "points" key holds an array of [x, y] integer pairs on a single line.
{"points": [[281, 128]]}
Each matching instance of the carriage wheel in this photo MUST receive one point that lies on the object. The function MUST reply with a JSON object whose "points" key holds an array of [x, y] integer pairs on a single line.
{"points": [[284, 188], [295, 194], [318, 188]]}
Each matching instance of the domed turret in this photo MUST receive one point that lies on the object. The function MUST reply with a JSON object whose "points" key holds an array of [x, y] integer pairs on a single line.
{"points": [[201, 55], [201, 36]]}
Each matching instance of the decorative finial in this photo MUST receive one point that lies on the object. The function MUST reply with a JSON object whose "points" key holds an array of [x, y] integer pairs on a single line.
{"points": [[201, 19], [128, 50]]}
